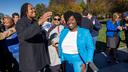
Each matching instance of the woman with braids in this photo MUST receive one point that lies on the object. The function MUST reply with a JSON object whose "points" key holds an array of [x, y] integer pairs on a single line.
{"points": [[33, 52]]}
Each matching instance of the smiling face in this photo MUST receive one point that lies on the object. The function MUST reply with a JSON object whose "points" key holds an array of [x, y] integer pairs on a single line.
{"points": [[8, 22], [16, 18], [115, 17], [56, 20], [30, 11], [89, 15], [72, 24]]}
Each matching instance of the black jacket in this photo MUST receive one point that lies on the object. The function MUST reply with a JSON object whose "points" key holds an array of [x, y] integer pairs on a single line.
{"points": [[86, 23], [96, 27], [33, 46]]}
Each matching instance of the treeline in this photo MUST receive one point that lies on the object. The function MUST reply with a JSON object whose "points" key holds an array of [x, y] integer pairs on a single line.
{"points": [[97, 7]]}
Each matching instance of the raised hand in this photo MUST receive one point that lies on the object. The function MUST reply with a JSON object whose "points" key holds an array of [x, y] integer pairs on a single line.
{"points": [[119, 27], [44, 17]]}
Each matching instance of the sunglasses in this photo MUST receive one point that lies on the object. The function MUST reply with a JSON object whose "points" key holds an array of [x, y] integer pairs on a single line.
{"points": [[57, 19]]}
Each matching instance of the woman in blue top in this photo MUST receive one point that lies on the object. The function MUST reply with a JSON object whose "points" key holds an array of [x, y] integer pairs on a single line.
{"points": [[75, 45], [112, 33]]}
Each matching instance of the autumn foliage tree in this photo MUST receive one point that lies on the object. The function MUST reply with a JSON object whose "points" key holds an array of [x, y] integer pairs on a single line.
{"points": [[120, 6], [40, 9], [61, 6], [99, 6]]}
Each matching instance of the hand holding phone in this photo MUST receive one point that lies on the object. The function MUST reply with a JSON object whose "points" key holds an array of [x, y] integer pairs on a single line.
{"points": [[44, 17]]}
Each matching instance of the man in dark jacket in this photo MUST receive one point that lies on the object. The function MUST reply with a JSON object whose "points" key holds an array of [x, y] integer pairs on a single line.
{"points": [[86, 22], [90, 22], [96, 27]]}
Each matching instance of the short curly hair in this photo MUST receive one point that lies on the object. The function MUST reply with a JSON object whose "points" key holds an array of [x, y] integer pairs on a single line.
{"points": [[76, 15]]}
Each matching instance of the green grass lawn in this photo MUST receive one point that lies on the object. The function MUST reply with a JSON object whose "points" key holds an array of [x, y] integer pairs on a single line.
{"points": [[102, 34], [101, 43]]}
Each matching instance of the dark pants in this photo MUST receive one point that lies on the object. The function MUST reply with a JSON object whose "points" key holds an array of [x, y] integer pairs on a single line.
{"points": [[45, 69], [7, 62], [126, 39], [112, 55], [5, 55], [56, 68]]}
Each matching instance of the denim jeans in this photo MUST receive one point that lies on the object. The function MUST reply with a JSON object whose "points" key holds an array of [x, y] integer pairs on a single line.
{"points": [[94, 40]]}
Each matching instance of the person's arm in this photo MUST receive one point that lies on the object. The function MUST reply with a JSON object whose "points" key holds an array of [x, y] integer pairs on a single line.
{"points": [[97, 26], [90, 47], [126, 26], [26, 32], [10, 31], [2, 36], [7, 33], [60, 47], [119, 26]]}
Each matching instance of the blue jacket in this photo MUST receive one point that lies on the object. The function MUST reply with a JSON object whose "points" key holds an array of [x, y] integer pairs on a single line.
{"points": [[84, 44], [112, 28]]}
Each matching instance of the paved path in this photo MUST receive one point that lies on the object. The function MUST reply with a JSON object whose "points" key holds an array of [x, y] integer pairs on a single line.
{"points": [[103, 66]]}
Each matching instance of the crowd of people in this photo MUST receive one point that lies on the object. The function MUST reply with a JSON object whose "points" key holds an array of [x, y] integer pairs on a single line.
{"points": [[65, 44]]}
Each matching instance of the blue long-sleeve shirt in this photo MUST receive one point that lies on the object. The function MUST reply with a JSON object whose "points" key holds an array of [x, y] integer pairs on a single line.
{"points": [[112, 28]]}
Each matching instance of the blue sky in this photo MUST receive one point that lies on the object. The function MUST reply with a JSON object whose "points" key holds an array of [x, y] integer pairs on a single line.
{"points": [[9, 6]]}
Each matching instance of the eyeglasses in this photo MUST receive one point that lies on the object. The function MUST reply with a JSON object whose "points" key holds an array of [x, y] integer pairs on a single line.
{"points": [[57, 19]]}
